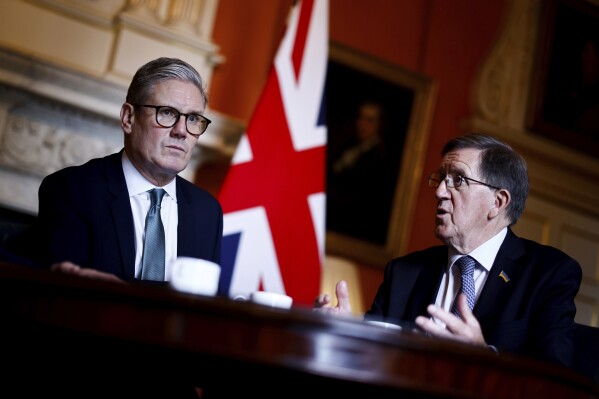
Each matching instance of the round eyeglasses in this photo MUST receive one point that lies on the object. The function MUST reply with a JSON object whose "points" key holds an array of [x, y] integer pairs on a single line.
{"points": [[166, 116], [453, 180]]}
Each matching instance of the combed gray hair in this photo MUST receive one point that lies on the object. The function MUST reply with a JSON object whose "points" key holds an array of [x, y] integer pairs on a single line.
{"points": [[160, 70]]}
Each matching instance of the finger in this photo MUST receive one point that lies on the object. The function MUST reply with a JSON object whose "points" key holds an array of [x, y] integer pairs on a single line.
{"points": [[65, 267], [451, 321], [458, 325], [342, 293], [322, 300], [448, 318], [470, 327], [430, 326], [466, 316]]}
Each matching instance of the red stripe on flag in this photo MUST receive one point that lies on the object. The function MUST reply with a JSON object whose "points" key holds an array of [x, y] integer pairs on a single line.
{"points": [[300, 37]]}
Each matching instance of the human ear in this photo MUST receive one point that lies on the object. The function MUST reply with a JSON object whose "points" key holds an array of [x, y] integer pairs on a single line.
{"points": [[127, 117], [501, 201]]}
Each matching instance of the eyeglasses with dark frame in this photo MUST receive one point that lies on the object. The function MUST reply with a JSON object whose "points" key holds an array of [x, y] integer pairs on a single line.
{"points": [[166, 116], [453, 180]]}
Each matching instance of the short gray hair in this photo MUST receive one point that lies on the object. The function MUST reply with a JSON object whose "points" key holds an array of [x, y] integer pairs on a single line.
{"points": [[160, 70]]}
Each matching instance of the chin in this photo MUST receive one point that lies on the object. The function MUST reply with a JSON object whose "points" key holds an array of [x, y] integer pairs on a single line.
{"points": [[440, 233], [175, 164]]}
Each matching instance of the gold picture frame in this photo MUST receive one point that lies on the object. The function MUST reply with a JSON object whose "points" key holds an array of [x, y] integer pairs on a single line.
{"points": [[409, 100]]}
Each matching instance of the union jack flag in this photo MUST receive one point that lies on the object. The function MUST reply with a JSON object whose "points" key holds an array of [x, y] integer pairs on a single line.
{"points": [[273, 195]]}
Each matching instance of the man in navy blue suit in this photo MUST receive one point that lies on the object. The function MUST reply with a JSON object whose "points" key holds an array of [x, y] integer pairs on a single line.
{"points": [[523, 291], [92, 216]]}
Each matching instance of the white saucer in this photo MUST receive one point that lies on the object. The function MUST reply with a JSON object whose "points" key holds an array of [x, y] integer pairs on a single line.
{"points": [[384, 324]]}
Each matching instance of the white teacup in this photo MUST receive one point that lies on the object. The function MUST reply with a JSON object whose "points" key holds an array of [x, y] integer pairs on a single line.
{"points": [[195, 276], [271, 299]]}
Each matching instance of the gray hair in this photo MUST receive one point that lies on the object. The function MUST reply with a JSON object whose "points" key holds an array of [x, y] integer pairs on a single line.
{"points": [[500, 166], [158, 71]]}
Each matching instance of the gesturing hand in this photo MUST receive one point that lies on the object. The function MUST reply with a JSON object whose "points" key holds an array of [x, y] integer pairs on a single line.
{"points": [[343, 307], [467, 329]]}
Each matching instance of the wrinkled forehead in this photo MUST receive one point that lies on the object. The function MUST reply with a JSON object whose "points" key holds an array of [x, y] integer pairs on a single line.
{"points": [[179, 94], [465, 161]]}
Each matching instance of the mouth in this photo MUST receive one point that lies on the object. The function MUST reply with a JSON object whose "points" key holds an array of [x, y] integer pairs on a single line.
{"points": [[441, 211], [177, 147]]}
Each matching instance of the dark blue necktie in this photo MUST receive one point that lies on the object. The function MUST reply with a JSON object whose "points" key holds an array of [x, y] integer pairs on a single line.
{"points": [[152, 261], [467, 265]]}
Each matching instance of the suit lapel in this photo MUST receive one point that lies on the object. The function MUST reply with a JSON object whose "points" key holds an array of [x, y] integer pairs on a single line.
{"points": [[122, 217], [421, 280], [425, 292], [507, 266], [186, 242]]}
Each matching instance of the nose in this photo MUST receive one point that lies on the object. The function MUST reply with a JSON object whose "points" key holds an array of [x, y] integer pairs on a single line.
{"points": [[442, 191], [180, 128]]}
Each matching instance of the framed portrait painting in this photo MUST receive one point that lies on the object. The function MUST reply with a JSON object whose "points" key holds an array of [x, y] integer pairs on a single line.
{"points": [[564, 103], [378, 118]]}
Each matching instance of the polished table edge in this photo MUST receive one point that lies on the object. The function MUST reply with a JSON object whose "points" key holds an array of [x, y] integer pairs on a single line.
{"points": [[299, 340]]}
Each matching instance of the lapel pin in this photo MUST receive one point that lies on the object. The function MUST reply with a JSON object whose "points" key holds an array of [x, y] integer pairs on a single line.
{"points": [[504, 276]]}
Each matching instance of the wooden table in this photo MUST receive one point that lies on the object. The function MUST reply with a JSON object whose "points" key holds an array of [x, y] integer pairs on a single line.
{"points": [[68, 335]]}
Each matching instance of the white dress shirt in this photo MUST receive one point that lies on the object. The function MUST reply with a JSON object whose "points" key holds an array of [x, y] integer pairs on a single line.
{"points": [[138, 188], [484, 256]]}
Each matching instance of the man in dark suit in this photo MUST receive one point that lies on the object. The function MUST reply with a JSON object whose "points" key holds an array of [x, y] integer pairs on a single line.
{"points": [[92, 217], [522, 292]]}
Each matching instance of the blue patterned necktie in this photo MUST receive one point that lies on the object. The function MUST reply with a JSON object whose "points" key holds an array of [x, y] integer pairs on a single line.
{"points": [[467, 265], [152, 261]]}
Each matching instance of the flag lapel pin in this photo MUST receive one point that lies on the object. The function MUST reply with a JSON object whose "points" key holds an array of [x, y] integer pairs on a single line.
{"points": [[504, 276]]}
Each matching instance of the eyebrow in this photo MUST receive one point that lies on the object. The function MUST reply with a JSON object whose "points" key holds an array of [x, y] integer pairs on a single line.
{"points": [[455, 170], [194, 112]]}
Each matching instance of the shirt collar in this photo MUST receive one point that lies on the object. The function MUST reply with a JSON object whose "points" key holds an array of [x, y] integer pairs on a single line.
{"points": [[485, 254], [137, 184]]}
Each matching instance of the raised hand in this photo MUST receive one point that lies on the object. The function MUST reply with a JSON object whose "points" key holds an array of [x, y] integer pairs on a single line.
{"points": [[343, 307], [467, 329]]}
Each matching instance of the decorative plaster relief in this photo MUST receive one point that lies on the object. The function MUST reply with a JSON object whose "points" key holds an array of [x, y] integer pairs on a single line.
{"points": [[40, 149], [502, 87], [501, 95]]}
